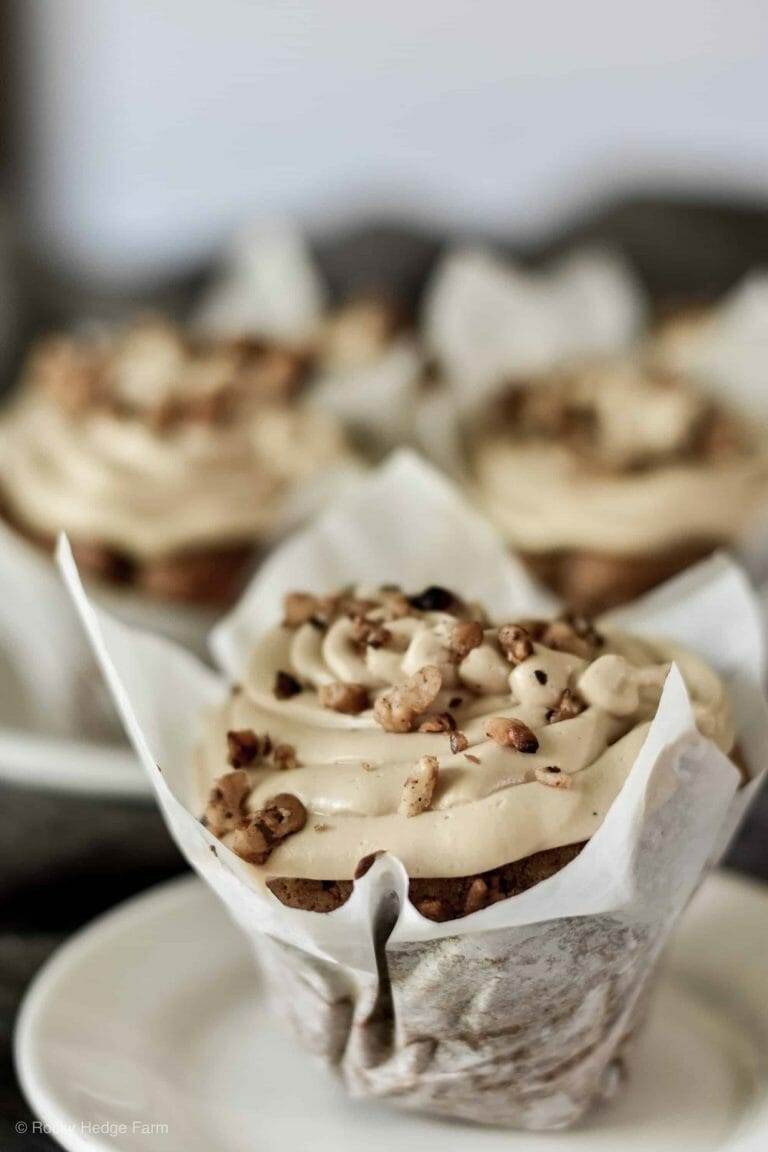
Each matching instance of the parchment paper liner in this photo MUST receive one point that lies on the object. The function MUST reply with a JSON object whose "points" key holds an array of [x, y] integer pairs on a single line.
{"points": [[518, 1013], [270, 285]]}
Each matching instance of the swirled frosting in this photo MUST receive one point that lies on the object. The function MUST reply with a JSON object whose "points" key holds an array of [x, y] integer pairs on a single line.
{"points": [[150, 443], [577, 704], [618, 458]]}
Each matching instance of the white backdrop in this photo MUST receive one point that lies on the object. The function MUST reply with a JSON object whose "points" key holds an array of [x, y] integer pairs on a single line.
{"points": [[159, 124]]}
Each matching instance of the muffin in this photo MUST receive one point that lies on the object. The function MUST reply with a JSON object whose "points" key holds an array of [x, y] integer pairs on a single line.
{"points": [[610, 477], [457, 841], [168, 459], [483, 756]]}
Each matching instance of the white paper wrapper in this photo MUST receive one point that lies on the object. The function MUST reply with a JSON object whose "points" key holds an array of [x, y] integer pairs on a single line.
{"points": [[726, 347], [271, 286], [518, 1013], [488, 320], [46, 667]]}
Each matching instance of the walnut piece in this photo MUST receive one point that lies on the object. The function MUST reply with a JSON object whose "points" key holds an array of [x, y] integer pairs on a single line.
{"points": [[511, 733], [466, 635], [286, 686], [226, 802], [284, 757], [344, 697], [298, 609], [515, 642], [458, 742], [397, 709], [552, 776], [563, 637], [370, 634], [257, 835], [419, 787], [568, 706], [439, 722], [243, 747]]}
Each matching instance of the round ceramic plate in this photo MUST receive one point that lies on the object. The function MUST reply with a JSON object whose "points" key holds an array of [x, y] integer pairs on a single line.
{"points": [[35, 760], [148, 1031]]}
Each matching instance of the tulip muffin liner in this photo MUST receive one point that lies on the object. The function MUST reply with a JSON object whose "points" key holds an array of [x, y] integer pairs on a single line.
{"points": [[518, 1014]]}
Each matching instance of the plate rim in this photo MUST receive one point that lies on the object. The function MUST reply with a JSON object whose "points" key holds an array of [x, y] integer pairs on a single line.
{"points": [[77, 767], [152, 904]]}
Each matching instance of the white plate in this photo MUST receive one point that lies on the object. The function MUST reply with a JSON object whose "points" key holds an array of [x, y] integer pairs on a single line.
{"points": [[153, 1016], [58, 725], [38, 761]]}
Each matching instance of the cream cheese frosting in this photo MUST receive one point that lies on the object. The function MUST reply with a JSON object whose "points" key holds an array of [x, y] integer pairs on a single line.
{"points": [[582, 702], [637, 474], [149, 444]]}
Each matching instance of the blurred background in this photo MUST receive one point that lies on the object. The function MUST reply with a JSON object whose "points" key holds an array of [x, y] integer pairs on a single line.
{"points": [[138, 135]]}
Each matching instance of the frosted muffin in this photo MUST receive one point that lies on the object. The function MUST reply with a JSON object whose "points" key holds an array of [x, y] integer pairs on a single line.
{"points": [[167, 459], [609, 478], [482, 755]]}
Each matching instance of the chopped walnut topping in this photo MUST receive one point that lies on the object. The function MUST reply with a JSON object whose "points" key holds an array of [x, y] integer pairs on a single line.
{"points": [[472, 759], [258, 834], [226, 802], [584, 626], [250, 841], [511, 733], [568, 706], [286, 686], [243, 746], [458, 742], [440, 722], [466, 635], [284, 757], [563, 637], [419, 787], [552, 776], [435, 599], [344, 697], [370, 634], [322, 611], [515, 642], [212, 376], [298, 609], [397, 709], [354, 608], [396, 603]]}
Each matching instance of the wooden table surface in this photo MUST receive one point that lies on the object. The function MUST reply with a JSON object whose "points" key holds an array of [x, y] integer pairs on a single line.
{"points": [[65, 859]]}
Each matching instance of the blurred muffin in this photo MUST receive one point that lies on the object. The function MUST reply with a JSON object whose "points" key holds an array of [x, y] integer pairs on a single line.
{"points": [[168, 459], [612, 477]]}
